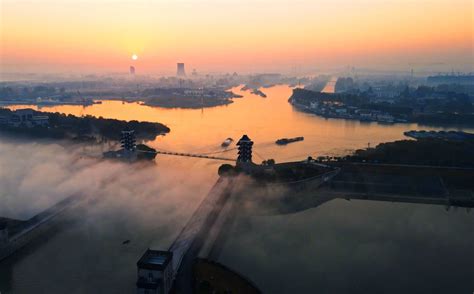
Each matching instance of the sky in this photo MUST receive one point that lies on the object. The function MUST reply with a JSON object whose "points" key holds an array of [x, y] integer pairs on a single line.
{"points": [[229, 35]]}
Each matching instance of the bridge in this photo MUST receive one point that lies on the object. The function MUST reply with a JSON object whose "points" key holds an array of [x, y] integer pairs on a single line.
{"points": [[191, 154]]}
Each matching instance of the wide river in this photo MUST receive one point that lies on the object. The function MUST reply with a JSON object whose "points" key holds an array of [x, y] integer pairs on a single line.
{"points": [[339, 247]]}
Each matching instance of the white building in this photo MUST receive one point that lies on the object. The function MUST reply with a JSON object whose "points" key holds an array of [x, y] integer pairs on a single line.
{"points": [[314, 105], [155, 272], [194, 92]]}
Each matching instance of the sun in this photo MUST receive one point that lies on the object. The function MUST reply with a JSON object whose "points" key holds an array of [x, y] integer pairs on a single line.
{"points": [[134, 57]]}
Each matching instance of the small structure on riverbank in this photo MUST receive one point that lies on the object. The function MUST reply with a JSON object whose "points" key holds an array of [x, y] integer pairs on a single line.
{"points": [[155, 272], [245, 150], [130, 150]]}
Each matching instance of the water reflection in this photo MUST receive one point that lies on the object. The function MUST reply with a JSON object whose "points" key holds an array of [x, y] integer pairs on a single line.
{"points": [[263, 119], [339, 247]]}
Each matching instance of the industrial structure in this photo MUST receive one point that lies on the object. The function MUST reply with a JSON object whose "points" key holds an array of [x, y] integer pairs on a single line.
{"points": [[132, 70], [180, 72]]}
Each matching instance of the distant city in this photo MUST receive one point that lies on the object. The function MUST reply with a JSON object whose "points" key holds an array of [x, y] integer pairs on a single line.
{"points": [[217, 147]]}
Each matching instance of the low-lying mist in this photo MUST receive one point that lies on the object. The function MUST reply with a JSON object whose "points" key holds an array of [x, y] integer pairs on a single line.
{"points": [[338, 247], [145, 202], [34, 176]]}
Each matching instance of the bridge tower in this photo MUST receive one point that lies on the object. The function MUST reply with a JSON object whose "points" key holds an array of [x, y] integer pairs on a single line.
{"points": [[245, 150], [128, 141]]}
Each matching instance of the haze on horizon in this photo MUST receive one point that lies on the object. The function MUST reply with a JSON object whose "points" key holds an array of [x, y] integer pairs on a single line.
{"points": [[86, 36]]}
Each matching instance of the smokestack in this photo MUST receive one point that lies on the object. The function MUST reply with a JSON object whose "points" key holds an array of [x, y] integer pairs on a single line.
{"points": [[180, 70]]}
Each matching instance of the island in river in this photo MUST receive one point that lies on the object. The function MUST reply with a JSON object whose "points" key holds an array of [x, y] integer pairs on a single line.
{"points": [[186, 98], [32, 123]]}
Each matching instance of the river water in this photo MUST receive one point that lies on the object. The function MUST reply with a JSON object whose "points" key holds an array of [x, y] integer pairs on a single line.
{"points": [[263, 119], [339, 247]]}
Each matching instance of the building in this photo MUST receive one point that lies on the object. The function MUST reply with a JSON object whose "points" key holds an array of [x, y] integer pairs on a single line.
{"points": [[155, 272], [180, 72], [25, 118], [128, 141], [132, 70], [194, 92], [245, 150], [128, 152]]}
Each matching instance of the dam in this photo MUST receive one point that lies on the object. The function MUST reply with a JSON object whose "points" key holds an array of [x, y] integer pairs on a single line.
{"points": [[15, 234]]}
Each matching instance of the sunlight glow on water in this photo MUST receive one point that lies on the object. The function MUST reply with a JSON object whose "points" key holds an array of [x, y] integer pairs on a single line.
{"points": [[331, 247], [263, 119]]}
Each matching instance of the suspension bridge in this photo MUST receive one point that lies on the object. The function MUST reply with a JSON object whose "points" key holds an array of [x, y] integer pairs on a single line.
{"points": [[188, 155]]}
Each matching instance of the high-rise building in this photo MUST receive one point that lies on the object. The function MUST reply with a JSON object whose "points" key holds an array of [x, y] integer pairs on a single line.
{"points": [[180, 70], [132, 70]]}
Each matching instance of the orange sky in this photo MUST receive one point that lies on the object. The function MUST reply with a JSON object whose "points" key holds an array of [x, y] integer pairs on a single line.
{"points": [[228, 35]]}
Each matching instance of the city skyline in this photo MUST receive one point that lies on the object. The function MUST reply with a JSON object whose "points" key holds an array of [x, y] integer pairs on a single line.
{"points": [[248, 36]]}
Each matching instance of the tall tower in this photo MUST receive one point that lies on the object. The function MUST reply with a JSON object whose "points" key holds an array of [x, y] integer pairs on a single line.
{"points": [[245, 149], [132, 70], [128, 141], [180, 70]]}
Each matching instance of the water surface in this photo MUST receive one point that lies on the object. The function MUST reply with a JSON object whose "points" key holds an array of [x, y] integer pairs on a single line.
{"points": [[339, 247]]}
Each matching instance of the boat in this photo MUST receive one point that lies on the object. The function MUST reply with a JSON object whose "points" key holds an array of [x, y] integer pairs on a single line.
{"points": [[227, 142], [259, 93], [285, 141]]}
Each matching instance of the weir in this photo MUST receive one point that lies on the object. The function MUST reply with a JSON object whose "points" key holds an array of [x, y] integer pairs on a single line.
{"points": [[23, 232], [189, 242], [187, 245]]}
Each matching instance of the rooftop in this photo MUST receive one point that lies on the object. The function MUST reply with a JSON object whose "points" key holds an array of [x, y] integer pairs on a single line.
{"points": [[155, 259]]}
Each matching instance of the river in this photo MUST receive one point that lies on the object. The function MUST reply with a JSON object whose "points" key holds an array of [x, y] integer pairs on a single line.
{"points": [[339, 247]]}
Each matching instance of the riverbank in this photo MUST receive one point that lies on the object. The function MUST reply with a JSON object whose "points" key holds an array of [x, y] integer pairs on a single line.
{"points": [[186, 102], [37, 124], [352, 106]]}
